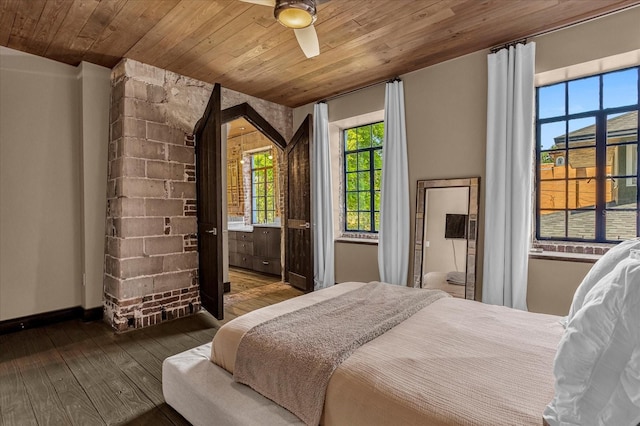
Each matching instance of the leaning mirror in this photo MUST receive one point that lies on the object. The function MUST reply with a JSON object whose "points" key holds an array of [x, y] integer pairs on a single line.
{"points": [[446, 235]]}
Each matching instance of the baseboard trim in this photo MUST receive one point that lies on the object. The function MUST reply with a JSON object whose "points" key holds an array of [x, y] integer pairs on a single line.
{"points": [[46, 318], [92, 314]]}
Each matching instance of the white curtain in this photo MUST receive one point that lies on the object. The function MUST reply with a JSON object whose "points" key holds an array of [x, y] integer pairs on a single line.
{"points": [[393, 243], [321, 202], [507, 231]]}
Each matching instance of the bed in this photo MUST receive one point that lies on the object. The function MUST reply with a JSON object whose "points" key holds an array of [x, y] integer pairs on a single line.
{"points": [[451, 362], [502, 376]]}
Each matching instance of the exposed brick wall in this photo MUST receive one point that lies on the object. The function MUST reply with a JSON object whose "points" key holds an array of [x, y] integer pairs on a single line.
{"points": [[151, 262], [151, 250]]}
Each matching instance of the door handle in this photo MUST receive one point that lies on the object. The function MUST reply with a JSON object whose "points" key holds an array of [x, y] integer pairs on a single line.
{"points": [[305, 225], [213, 231]]}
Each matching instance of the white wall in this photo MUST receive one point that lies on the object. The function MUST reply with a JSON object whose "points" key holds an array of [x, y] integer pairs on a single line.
{"points": [[446, 132], [53, 140], [95, 87]]}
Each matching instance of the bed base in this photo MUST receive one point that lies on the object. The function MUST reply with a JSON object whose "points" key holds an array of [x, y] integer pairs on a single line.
{"points": [[206, 394]]}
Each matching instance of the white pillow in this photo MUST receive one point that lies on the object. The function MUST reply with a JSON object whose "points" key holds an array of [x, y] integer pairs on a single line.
{"points": [[602, 267], [597, 366]]}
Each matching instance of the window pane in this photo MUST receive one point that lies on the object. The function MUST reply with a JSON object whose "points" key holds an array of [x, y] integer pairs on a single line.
{"points": [[552, 224], [624, 195], [350, 140], [377, 180], [352, 201], [553, 165], [622, 127], [582, 162], [582, 193], [582, 132], [351, 161], [582, 224], [271, 203], [269, 173], [584, 95], [258, 176], [622, 160], [553, 135], [620, 225], [377, 134], [352, 181], [553, 194], [364, 203], [364, 182], [364, 137], [377, 159], [270, 190], [377, 219], [352, 221], [551, 101], [365, 221], [270, 217], [620, 88], [364, 160], [376, 202], [260, 203], [268, 162], [261, 217]]}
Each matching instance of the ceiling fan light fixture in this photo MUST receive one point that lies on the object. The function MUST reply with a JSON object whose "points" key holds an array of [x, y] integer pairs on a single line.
{"points": [[295, 14]]}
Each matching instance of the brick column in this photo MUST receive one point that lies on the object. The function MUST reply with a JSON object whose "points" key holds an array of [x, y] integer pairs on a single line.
{"points": [[151, 260]]}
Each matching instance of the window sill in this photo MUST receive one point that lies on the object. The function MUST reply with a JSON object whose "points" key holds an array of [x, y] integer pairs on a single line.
{"points": [[566, 257], [355, 240]]}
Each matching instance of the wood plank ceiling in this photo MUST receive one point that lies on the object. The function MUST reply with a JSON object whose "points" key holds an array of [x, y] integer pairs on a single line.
{"points": [[242, 47]]}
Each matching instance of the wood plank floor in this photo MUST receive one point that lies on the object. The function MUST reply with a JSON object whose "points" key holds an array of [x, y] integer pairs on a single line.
{"points": [[77, 373]]}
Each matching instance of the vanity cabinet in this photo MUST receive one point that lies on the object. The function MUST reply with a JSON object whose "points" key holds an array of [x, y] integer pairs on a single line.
{"points": [[241, 249], [266, 250], [258, 250]]}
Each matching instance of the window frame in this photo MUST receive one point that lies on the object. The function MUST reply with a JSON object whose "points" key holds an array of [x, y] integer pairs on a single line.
{"points": [[600, 146], [265, 195], [372, 191]]}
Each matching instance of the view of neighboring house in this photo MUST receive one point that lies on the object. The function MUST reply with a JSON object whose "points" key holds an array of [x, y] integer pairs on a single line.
{"points": [[579, 162]]}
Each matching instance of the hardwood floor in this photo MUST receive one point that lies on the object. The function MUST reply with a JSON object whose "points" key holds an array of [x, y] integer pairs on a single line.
{"points": [[76, 373]]}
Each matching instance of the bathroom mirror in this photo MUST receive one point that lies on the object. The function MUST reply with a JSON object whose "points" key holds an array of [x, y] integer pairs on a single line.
{"points": [[446, 235]]}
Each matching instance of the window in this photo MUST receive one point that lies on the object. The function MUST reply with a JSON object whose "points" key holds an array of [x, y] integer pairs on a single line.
{"points": [[363, 177], [263, 194], [586, 158]]}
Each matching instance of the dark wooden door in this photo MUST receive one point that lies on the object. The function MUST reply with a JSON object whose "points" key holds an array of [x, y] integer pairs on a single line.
{"points": [[298, 236], [209, 197]]}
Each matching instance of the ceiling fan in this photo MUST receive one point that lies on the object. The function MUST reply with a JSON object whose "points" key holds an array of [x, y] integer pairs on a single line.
{"points": [[298, 15]]}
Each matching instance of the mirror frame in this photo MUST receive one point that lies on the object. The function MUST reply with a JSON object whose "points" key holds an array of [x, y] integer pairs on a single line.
{"points": [[472, 228]]}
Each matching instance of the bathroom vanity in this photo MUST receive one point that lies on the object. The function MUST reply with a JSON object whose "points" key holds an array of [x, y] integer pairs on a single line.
{"points": [[256, 247]]}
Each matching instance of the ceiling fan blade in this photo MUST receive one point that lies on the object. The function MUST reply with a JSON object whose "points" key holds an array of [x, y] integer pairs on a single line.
{"points": [[270, 3], [308, 41]]}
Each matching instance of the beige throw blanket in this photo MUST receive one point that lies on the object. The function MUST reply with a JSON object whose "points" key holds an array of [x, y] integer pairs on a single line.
{"points": [[290, 358]]}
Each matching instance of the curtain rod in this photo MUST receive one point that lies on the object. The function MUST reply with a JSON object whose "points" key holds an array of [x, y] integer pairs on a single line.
{"points": [[508, 45], [339, 95]]}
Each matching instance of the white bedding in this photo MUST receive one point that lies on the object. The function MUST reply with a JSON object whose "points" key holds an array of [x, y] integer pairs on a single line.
{"points": [[454, 362]]}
